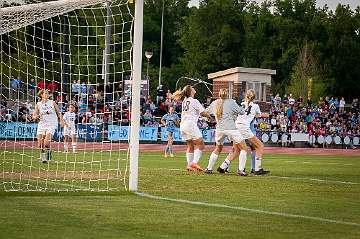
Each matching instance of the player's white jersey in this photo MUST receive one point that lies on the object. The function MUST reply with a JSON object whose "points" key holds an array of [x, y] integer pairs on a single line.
{"points": [[191, 110], [69, 118], [47, 113], [251, 110]]}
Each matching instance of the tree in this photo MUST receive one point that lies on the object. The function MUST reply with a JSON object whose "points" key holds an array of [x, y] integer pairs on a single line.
{"points": [[174, 13], [213, 37]]}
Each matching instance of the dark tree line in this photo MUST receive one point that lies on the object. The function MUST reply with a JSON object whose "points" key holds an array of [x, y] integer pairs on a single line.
{"points": [[294, 37]]}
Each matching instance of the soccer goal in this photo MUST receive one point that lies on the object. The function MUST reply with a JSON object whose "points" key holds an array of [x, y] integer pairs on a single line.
{"points": [[82, 52]]}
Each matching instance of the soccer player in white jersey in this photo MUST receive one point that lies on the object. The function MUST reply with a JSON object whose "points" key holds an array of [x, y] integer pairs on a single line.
{"points": [[225, 111], [243, 123], [48, 113], [191, 110], [70, 128]]}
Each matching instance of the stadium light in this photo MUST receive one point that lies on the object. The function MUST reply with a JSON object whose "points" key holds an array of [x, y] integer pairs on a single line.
{"points": [[148, 55]]}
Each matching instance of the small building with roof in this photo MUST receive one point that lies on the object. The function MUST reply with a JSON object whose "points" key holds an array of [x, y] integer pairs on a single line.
{"points": [[240, 79]]}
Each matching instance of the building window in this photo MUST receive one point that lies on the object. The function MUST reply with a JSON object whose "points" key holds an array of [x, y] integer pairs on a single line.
{"points": [[258, 88]]}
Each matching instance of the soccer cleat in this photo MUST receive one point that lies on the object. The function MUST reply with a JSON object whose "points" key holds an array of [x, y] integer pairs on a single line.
{"points": [[189, 168], [165, 155], [208, 171], [220, 170], [43, 158], [171, 155], [241, 173], [261, 172], [252, 172], [196, 166]]}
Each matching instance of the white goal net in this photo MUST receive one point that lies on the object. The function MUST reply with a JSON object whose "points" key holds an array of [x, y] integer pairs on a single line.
{"points": [[81, 52]]}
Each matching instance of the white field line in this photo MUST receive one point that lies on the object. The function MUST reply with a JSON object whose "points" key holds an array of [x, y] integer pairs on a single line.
{"points": [[170, 169], [315, 180], [282, 214], [320, 163], [280, 177]]}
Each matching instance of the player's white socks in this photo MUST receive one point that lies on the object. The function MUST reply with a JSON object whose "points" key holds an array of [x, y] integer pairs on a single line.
{"points": [[197, 155], [189, 158], [73, 147], [242, 160], [257, 164], [225, 164], [66, 147], [43, 156], [212, 160]]}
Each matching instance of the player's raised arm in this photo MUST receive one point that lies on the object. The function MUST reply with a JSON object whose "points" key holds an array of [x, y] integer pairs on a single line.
{"points": [[239, 110], [36, 113], [206, 114], [59, 115], [202, 110]]}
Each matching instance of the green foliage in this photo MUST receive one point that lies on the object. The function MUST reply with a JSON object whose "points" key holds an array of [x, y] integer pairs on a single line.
{"points": [[224, 33], [197, 41]]}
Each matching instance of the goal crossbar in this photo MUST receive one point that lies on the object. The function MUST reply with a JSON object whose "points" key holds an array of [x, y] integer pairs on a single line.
{"points": [[13, 18]]}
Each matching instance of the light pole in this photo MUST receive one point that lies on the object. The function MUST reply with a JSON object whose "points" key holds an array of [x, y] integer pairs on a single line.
{"points": [[148, 55], [161, 38]]}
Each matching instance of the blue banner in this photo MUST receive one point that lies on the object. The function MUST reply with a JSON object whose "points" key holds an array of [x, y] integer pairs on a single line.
{"points": [[176, 135], [116, 132], [12, 130], [208, 135], [89, 132], [85, 132]]}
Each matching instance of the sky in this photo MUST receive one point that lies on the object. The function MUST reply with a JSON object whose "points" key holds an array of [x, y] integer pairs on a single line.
{"points": [[331, 3]]}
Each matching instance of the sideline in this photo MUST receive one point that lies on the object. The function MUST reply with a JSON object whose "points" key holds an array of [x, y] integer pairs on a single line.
{"points": [[145, 195]]}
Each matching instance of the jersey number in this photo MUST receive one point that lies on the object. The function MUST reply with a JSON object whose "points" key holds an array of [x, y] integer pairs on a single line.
{"points": [[186, 106], [248, 110]]}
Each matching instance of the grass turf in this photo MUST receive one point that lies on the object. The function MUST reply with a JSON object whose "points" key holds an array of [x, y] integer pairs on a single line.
{"points": [[293, 187]]}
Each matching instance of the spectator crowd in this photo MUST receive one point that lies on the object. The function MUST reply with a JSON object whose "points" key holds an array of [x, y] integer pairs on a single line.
{"points": [[104, 105], [328, 116]]}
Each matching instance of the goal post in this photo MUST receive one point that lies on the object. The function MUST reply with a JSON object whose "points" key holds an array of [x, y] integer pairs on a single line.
{"points": [[82, 51], [135, 107]]}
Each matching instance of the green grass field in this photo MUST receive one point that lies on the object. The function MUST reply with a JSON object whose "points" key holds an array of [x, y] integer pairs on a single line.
{"points": [[303, 197]]}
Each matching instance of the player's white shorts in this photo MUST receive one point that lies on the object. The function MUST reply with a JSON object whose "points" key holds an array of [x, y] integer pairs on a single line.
{"points": [[190, 131], [45, 129], [69, 131], [246, 133], [233, 135]]}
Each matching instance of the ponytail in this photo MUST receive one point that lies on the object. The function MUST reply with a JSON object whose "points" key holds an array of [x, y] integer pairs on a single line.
{"points": [[223, 94], [178, 95], [181, 94]]}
